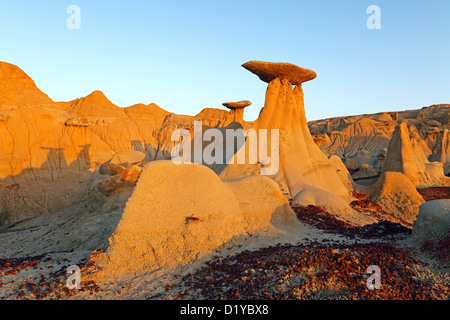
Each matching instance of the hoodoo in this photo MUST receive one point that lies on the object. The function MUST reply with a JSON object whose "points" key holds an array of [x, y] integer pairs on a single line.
{"points": [[237, 110], [406, 155], [302, 163]]}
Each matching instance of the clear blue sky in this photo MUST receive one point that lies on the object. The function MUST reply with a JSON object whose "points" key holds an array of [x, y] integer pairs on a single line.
{"points": [[187, 55]]}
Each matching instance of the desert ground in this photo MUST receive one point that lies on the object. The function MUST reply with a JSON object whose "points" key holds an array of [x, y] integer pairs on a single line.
{"points": [[89, 192]]}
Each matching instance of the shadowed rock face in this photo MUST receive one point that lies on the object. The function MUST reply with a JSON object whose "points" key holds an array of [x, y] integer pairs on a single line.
{"points": [[50, 148], [268, 71], [301, 161]]}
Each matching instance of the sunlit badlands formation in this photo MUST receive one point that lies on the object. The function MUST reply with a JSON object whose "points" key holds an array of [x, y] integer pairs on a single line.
{"points": [[86, 184]]}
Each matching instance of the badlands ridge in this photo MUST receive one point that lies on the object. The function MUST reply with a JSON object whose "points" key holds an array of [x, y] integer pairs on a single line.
{"points": [[86, 181]]}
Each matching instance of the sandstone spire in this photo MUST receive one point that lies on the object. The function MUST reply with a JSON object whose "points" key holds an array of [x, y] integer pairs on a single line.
{"points": [[302, 163], [406, 155]]}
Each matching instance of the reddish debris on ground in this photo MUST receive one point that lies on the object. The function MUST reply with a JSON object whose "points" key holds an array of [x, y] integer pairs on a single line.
{"points": [[434, 193], [311, 271], [361, 196], [52, 286]]}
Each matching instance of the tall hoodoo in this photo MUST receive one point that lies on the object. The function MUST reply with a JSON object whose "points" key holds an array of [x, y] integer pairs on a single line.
{"points": [[301, 163]]}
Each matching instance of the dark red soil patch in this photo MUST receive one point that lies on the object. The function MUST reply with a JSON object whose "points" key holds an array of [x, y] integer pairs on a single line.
{"points": [[312, 271], [434, 193]]}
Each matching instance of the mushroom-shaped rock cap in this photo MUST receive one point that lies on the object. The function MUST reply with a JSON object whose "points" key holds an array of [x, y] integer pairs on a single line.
{"points": [[237, 105], [267, 71]]}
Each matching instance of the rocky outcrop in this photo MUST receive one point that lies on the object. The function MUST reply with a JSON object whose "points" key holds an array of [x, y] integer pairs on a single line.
{"points": [[433, 221], [431, 230], [237, 105], [346, 136], [442, 150], [406, 155], [18, 89], [171, 220], [304, 170], [397, 195], [365, 171], [48, 147], [114, 185], [124, 169], [301, 162]]}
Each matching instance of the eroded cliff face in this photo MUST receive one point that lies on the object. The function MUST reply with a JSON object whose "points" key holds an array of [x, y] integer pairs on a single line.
{"points": [[49, 148], [50, 151], [364, 139], [407, 154]]}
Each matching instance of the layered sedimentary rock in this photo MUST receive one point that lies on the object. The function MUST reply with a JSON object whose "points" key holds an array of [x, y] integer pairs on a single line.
{"points": [[346, 136], [51, 149], [48, 147]]}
